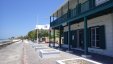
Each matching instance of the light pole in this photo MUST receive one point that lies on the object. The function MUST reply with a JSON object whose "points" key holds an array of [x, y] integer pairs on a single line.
{"points": [[37, 27], [37, 33]]}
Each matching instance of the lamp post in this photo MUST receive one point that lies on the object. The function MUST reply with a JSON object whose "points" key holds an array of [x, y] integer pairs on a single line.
{"points": [[37, 36], [37, 27], [37, 33]]}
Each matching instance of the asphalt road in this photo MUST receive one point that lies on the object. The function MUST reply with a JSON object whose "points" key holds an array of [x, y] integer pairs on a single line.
{"points": [[12, 54]]}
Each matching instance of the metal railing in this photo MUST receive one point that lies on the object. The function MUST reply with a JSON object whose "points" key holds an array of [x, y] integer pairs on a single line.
{"points": [[82, 8]]}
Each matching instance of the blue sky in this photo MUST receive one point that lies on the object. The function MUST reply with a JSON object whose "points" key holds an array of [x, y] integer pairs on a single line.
{"points": [[17, 17]]}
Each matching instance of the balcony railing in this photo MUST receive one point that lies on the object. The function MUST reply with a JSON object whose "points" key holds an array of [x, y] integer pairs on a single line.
{"points": [[85, 7], [82, 8]]}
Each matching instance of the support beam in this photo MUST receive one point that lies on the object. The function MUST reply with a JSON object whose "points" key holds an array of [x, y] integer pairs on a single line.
{"points": [[78, 7], [85, 36], [57, 15], [68, 6], [69, 37], [62, 11], [54, 37], [68, 28], [68, 11], [49, 37], [53, 34], [53, 17], [50, 33], [60, 37], [91, 3], [77, 1]]}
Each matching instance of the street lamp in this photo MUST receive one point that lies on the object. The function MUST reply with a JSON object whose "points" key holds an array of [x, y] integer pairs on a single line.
{"points": [[37, 33]]}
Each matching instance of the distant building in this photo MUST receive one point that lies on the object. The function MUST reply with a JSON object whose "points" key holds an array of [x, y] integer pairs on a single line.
{"points": [[45, 27]]}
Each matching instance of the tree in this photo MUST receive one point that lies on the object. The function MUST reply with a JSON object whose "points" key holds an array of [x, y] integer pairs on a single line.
{"points": [[32, 35], [12, 37], [20, 37], [43, 33]]}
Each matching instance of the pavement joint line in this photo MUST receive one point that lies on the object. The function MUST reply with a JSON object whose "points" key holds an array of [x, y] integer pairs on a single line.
{"points": [[24, 55]]}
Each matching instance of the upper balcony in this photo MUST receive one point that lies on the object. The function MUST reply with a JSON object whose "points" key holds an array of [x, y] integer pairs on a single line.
{"points": [[89, 7]]}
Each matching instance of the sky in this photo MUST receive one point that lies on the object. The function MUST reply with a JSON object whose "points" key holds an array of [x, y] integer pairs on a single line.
{"points": [[18, 17]]}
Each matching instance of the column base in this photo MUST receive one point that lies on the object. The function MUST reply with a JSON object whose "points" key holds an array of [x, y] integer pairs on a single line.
{"points": [[68, 51], [59, 48], [86, 56]]}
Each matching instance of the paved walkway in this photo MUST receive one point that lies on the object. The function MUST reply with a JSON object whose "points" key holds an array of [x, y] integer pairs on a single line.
{"points": [[96, 57], [24, 53], [32, 56], [11, 54]]}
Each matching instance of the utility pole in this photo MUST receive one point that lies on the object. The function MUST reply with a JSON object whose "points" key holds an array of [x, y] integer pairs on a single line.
{"points": [[37, 31], [37, 35]]}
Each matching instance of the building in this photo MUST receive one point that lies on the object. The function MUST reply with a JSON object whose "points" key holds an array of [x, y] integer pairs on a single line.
{"points": [[85, 25], [44, 27]]}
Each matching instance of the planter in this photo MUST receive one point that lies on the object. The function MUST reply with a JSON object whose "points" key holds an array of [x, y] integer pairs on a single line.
{"points": [[34, 45], [49, 53], [38, 45], [77, 61], [41, 47]]}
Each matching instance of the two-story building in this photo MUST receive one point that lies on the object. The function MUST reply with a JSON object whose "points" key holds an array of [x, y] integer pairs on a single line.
{"points": [[85, 25]]}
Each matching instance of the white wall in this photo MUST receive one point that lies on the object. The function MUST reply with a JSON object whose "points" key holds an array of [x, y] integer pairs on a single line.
{"points": [[45, 27], [106, 20]]}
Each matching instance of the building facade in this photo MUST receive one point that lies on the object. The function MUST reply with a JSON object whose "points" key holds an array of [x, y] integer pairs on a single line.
{"points": [[85, 25]]}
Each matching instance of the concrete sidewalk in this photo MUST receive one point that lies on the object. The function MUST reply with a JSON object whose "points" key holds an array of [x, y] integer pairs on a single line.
{"points": [[32, 57], [12, 54]]}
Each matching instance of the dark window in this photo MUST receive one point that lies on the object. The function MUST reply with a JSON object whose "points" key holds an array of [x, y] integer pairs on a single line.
{"points": [[95, 37]]}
